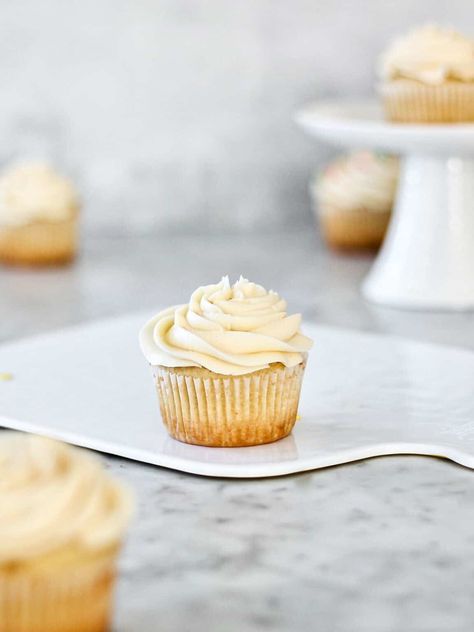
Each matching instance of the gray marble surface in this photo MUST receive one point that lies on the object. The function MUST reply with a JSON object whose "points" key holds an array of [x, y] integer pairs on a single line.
{"points": [[381, 545]]}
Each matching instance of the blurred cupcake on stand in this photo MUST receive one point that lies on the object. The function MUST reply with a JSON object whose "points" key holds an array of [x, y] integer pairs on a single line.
{"points": [[38, 216], [427, 76], [353, 199]]}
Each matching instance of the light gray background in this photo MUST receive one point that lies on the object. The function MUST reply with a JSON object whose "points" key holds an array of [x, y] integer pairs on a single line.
{"points": [[178, 113]]}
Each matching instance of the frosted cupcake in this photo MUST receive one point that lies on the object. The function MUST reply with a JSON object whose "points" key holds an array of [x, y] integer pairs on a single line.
{"points": [[428, 77], [38, 216], [228, 365], [353, 199], [62, 520]]}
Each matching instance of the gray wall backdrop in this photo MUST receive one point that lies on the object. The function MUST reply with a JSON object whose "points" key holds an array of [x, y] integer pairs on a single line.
{"points": [[177, 114]]}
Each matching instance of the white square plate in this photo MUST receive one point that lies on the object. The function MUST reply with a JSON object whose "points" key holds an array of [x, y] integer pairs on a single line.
{"points": [[363, 396]]}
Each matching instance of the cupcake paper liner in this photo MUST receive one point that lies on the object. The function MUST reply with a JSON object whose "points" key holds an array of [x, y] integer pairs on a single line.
{"points": [[354, 229], [205, 408], [407, 101], [72, 598], [41, 243]]}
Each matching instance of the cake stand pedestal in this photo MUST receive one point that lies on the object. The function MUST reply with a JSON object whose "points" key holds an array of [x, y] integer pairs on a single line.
{"points": [[427, 259]]}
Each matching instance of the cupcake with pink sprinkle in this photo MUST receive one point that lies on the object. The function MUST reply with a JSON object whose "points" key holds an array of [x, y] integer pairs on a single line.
{"points": [[353, 199]]}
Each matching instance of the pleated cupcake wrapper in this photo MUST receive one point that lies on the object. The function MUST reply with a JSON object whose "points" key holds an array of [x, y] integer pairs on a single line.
{"points": [[229, 411], [411, 102], [38, 243], [58, 600], [358, 228]]}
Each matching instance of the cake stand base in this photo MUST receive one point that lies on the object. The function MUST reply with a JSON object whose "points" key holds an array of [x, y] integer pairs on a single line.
{"points": [[427, 259]]}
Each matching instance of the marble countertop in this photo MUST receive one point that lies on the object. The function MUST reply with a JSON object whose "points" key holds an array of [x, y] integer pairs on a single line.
{"points": [[380, 545]]}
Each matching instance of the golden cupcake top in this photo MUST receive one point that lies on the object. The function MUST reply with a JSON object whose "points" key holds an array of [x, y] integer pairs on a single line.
{"points": [[362, 180], [54, 496], [228, 329], [34, 191], [431, 55]]}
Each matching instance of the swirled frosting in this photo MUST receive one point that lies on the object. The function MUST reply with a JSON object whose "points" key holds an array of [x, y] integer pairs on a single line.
{"points": [[228, 329], [53, 496], [35, 192], [431, 55], [362, 180]]}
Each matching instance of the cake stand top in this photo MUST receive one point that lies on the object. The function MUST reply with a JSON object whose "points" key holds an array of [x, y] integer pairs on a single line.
{"points": [[360, 124]]}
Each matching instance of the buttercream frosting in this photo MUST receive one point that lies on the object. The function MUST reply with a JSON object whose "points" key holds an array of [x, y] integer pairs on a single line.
{"points": [[431, 55], [228, 329], [35, 192], [52, 496], [362, 180]]}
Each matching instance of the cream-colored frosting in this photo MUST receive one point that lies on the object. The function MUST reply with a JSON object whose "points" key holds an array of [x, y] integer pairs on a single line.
{"points": [[431, 55], [53, 496], [228, 329], [35, 192], [362, 181]]}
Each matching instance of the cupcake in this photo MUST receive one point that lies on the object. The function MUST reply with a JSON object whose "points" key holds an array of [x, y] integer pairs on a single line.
{"points": [[228, 365], [428, 77], [38, 216], [353, 199], [62, 520]]}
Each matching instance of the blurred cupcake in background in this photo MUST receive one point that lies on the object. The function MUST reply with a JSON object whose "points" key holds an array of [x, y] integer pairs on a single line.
{"points": [[428, 77], [353, 199], [62, 521], [38, 216]]}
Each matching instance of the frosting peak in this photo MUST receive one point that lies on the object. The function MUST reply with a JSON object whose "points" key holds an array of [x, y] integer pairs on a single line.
{"points": [[35, 192], [227, 329], [52, 495], [431, 55]]}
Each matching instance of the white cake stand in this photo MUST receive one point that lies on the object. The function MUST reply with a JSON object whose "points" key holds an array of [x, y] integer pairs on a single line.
{"points": [[427, 259]]}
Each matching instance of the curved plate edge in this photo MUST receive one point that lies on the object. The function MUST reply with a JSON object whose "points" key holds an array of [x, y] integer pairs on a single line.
{"points": [[249, 471]]}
